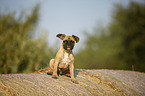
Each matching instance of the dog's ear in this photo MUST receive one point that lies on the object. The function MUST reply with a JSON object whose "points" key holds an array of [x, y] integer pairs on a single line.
{"points": [[61, 36], [76, 38]]}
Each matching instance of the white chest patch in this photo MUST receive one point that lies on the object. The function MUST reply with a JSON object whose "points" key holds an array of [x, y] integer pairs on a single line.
{"points": [[65, 61], [66, 58]]}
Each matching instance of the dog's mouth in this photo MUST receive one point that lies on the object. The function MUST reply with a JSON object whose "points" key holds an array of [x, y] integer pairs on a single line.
{"points": [[68, 48]]}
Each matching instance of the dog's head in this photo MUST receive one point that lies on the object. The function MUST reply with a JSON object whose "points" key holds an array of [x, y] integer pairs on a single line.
{"points": [[68, 41]]}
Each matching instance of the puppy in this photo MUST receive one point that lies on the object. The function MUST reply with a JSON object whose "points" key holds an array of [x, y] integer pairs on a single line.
{"points": [[64, 60]]}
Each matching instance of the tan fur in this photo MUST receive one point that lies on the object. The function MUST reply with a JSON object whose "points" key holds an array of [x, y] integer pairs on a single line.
{"points": [[64, 61]]}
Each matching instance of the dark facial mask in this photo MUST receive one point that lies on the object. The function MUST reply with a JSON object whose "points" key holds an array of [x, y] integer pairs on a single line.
{"points": [[68, 44]]}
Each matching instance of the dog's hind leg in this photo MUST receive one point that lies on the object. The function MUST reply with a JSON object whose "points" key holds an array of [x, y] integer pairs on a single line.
{"points": [[51, 67]]}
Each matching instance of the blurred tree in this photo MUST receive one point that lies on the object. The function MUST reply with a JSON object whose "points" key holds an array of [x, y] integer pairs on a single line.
{"points": [[120, 45], [19, 51], [132, 22], [100, 52]]}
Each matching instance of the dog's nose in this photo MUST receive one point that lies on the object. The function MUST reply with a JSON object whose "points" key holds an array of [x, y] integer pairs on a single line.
{"points": [[68, 45]]}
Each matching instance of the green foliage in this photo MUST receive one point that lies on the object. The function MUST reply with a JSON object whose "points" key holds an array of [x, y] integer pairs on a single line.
{"points": [[19, 51], [120, 45], [100, 52], [132, 31]]}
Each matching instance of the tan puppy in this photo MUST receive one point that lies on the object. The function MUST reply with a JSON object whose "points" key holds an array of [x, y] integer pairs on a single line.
{"points": [[64, 60]]}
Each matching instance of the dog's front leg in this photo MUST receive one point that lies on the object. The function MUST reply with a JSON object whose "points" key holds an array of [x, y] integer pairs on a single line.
{"points": [[54, 75], [72, 73]]}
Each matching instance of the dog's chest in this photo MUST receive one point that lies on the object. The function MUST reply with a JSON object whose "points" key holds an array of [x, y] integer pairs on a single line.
{"points": [[65, 61]]}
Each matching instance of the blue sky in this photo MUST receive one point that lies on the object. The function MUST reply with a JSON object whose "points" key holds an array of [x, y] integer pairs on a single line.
{"points": [[66, 16]]}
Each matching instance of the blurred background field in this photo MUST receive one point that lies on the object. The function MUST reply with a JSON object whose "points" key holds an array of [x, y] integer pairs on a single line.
{"points": [[117, 44]]}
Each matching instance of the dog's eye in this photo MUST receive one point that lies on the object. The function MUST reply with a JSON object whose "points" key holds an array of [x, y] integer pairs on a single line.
{"points": [[65, 41], [72, 41]]}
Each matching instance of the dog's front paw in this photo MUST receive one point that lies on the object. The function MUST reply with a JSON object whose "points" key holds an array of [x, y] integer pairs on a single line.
{"points": [[55, 76], [75, 81]]}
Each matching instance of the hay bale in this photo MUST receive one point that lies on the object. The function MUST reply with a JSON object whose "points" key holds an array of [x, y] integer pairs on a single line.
{"points": [[91, 83]]}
